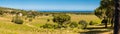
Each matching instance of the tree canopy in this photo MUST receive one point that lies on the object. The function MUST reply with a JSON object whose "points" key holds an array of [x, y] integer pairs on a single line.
{"points": [[105, 9]]}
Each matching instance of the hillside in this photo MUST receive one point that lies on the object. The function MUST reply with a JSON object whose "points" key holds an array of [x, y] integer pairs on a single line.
{"points": [[34, 26], [7, 9], [8, 27]]}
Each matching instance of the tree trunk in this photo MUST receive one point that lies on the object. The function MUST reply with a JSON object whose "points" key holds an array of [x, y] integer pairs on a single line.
{"points": [[105, 25], [112, 19], [117, 17]]}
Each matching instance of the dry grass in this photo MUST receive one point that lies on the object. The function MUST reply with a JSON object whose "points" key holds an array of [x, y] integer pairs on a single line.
{"points": [[7, 27]]}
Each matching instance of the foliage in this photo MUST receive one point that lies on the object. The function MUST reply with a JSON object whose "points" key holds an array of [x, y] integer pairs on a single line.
{"points": [[46, 14], [17, 20], [61, 18], [73, 25], [51, 26], [1, 12], [83, 23], [104, 21], [24, 13], [106, 8], [57, 26], [13, 12], [48, 26], [99, 13], [30, 19], [107, 5]]}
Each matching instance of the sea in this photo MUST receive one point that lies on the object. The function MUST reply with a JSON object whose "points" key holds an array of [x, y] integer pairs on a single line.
{"points": [[70, 11]]}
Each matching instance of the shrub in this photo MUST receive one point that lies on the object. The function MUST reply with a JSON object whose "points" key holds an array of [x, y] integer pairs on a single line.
{"points": [[55, 26], [46, 14], [83, 24], [1, 12], [73, 25], [48, 20], [61, 18], [13, 12], [17, 20], [30, 19], [48, 26]]}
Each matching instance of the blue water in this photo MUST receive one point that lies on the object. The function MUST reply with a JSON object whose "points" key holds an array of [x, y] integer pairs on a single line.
{"points": [[70, 11]]}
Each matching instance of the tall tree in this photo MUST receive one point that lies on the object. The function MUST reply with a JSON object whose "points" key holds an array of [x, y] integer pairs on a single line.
{"points": [[117, 17], [106, 9]]}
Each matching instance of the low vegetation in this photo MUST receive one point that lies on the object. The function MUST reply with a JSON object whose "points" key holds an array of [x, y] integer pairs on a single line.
{"points": [[17, 19], [73, 25], [61, 19], [83, 24], [33, 22]]}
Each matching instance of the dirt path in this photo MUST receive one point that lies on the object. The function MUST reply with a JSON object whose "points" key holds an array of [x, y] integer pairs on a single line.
{"points": [[111, 32], [98, 30]]}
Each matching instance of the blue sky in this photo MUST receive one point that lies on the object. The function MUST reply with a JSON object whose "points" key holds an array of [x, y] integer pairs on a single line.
{"points": [[67, 5]]}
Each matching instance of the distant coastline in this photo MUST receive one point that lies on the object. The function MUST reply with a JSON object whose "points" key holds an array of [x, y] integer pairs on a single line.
{"points": [[70, 11]]}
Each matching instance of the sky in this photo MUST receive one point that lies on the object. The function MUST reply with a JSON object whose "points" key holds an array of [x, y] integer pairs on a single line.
{"points": [[52, 5]]}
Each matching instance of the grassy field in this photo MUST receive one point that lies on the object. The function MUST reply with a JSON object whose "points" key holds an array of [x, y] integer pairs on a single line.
{"points": [[8, 27]]}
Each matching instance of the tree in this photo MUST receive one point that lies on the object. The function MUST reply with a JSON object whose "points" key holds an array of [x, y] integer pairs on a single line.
{"points": [[106, 9], [99, 12], [117, 17], [104, 21], [61, 18], [17, 19]]}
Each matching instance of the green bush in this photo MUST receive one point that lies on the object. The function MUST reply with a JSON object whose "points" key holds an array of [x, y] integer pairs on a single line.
{"points": [[30, 19], [60, 19], [83, 24], [17, 20], [48, 26], [73, 25], [1, 12], [55, 26]]}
